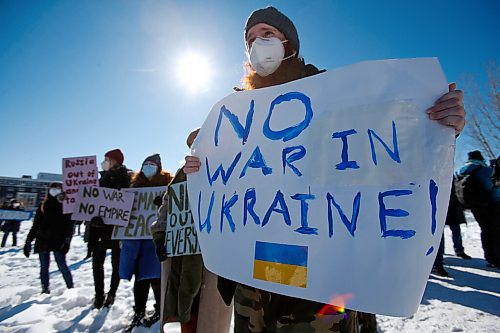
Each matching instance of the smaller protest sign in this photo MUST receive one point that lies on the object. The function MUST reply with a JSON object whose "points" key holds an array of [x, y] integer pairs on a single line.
{"points": [[77, 171], [181, 232], [144, 212], [14, 215], [113, 206]]}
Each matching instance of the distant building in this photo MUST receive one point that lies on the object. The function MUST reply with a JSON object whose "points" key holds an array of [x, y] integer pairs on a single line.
{"points": [[53, 177], [29, 191]]}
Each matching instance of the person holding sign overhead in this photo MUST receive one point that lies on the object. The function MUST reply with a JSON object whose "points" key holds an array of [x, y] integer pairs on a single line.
{"points": [[116, 176], [138, 256], [272, 46], [52, 232]]}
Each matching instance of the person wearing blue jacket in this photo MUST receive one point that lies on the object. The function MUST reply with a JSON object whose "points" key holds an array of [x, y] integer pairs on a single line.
{"points": [[138, 256], [484, 213]]}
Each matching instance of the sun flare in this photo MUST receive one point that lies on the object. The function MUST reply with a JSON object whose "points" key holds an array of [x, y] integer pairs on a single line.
{"points": [[193, 71]]}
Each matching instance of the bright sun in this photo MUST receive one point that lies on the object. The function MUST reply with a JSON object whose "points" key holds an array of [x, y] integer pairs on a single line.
{"points": [[193, 71]]}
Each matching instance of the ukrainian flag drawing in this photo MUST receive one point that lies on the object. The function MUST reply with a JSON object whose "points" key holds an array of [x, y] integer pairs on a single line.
{"points": [[281, 263]]}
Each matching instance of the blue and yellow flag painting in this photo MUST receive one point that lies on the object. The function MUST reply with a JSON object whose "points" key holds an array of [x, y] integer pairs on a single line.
{"points": [[281, 263]]}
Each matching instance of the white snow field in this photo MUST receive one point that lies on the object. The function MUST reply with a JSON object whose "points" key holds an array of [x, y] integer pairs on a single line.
{"points": [[468, 301]]}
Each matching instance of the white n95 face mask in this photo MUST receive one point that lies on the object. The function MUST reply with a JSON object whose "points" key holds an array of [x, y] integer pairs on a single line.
{"points": [[266, 55], [105, 165], [54, 191]]}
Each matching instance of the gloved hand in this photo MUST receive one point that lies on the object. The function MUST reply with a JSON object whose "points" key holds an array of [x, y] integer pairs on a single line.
{"points": [[65, 246], [60, 197], [96, 222], [158, 201], [27, 249], [161, 251]]}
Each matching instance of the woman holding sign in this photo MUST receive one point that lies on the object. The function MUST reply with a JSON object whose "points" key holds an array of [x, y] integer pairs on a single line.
{"points": [[138, 256], [52, 232], [272, 46]]}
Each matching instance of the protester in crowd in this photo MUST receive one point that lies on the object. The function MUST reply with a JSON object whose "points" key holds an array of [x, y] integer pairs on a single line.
{"points": [[481, 196], [495, 177], [11, 226], [52, 232], [273, 58], [184, 280], [496, 203], [116, 176], [138, 257], [438, 266], [454, 217], [5, 206], [78, 224]]}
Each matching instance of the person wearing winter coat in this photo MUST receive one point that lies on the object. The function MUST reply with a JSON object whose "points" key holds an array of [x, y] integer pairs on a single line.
{"points": [[182, 296], [138, 257], [52, 232], [454, 218], [116, 176], [272, 45], [484, 212], [495, 177], [11, 226]]}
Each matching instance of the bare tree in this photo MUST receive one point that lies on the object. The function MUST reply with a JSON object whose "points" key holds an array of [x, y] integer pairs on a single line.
{"points": [[482, 104]]}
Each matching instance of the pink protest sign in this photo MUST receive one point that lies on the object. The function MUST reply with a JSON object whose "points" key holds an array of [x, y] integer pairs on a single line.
{"points": [[113, 206], [77, 171]]}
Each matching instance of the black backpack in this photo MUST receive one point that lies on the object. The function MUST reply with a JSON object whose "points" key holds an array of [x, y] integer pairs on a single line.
{"points": [[470, 192]]}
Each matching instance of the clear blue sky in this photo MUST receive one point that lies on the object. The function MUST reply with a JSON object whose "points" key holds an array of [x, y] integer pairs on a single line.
{"points": [[83, 77]]}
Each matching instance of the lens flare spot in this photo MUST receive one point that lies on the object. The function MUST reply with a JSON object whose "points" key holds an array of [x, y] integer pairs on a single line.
{"points": [[336, 304]]}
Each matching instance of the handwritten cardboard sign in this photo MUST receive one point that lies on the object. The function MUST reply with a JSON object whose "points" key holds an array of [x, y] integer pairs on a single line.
{"points": [[113, 206], [181, 236], [14, 215], [332, 188], [144, 212], [77, 171]]}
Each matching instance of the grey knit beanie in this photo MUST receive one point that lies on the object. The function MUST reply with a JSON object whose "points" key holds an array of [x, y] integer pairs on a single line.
{"points": [[277, 19], [155, 158]]}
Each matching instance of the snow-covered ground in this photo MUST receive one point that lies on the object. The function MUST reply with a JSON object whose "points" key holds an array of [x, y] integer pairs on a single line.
{"points": [[468, 301]]}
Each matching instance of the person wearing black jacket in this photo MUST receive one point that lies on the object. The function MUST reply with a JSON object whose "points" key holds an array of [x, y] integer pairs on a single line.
{"points": [[116, 176], [11, 226], [52, 232]]}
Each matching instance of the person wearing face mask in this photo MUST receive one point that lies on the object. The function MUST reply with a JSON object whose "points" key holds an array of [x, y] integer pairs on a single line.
{"points": [[11, 226], [272, 46], [138, 256], [52, 232], [116, 176]]}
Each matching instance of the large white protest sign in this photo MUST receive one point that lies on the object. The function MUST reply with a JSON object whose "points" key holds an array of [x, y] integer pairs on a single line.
{"points": [[181, 232], [113, 206], [77, 171], [144, 212], [332, 188]]}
